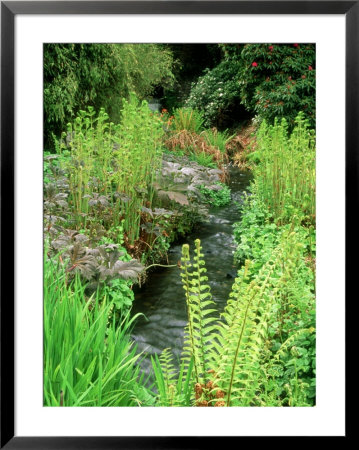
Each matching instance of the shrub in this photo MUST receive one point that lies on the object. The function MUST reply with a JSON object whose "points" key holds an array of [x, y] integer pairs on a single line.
{"points": [[277, 80], [217, 94]]}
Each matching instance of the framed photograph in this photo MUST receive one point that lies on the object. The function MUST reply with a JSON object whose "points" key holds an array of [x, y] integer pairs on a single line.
{"points": [[125, 124]]}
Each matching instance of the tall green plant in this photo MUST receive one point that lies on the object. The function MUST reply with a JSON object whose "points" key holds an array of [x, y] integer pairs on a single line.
{"points": [[89, 360], [90, 140], [138, 156], [285, 174], [245, 329], [199, 308], [116, 163], [174, 389]]}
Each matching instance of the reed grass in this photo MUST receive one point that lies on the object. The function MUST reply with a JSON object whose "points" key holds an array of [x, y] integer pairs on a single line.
{"points": [[89, 360]]}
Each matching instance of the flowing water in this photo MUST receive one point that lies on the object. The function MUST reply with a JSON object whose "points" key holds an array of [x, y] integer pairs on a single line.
{"points": [[162, 299]]}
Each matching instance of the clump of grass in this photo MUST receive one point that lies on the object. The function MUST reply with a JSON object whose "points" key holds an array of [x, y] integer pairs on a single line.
{"points": [[196, 145], [203, 159], [285, 173], [207, 147], [187, 119], [89, 360], [218, 139]]}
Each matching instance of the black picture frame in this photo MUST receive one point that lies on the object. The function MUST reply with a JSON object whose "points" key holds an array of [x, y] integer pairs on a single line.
{"points": [[9, 9]]}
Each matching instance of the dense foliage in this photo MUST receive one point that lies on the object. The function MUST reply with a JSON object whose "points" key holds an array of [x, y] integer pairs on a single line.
{"points": [[99, 75], [285, 173], [270, 81], [271, 212], [217, 95], [217, 197], [278, 80], [98, 190], [190, 62], [103, 192], [262, 351]]}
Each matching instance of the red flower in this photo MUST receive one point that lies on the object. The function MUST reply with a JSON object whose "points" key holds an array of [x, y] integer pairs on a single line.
{"points": [[310, 68], [270, 47], [254, 64], [295, 45]]}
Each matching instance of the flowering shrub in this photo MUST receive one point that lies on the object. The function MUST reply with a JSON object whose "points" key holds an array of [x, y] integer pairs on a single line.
{"points": [[216, 93], [277, 80]]}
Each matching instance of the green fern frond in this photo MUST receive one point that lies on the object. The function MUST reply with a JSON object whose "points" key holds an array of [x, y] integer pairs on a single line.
{"points": [[228, 354], [285, 347], [242, 335], [199, 340], [168, 370]]}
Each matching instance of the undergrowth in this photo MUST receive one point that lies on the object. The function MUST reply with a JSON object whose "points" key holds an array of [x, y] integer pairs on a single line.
{"points": [[116, 162]]}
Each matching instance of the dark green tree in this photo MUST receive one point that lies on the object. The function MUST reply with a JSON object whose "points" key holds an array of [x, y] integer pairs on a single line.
{"points": [[99, 75]]}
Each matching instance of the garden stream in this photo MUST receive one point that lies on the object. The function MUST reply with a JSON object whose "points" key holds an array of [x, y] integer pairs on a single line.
{"points": [[162, 300]]}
